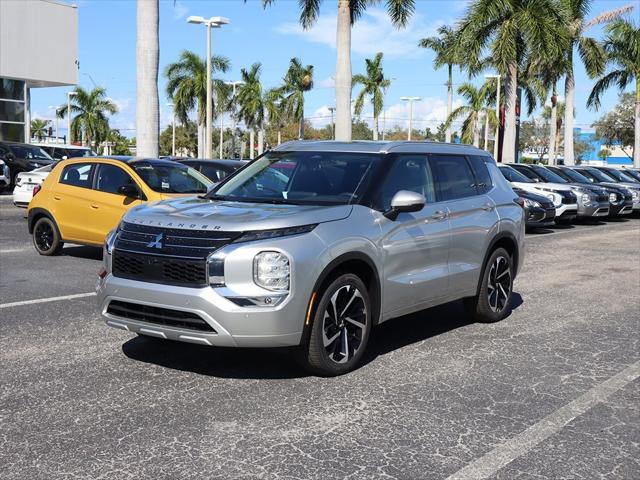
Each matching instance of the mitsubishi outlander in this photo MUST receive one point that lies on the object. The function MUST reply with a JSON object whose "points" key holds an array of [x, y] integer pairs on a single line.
{"points": [[313, 244]]}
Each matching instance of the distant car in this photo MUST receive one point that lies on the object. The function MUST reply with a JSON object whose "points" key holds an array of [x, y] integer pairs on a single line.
{"points": [[214, 170], [635, 173], [602, 178], [619, 175], [82, 199], [593, 201], [620, 198], [23, 157], [563, 198], [26, 182], [62, 152], [5, 175], [541, 211]]}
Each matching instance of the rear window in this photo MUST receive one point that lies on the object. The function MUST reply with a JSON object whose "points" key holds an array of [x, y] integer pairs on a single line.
{"points": [[77, 174]]}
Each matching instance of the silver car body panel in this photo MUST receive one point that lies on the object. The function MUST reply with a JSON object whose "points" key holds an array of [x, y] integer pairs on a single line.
{"points": [[420, 259]]}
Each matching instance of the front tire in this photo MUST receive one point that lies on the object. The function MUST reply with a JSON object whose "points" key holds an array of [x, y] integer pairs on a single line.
{"points": [[493, 302], [46, 237], [340, 331]]}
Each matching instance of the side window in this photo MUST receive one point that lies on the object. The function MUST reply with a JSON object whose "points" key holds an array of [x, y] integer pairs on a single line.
{"points": [[481, 172], [527, 172], [110, 178], [77, 174], [409, 172], [213, 173], [453, 177]]}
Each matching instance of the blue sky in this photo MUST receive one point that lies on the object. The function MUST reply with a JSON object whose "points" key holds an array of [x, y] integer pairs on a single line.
{"points": [[107, 47]]}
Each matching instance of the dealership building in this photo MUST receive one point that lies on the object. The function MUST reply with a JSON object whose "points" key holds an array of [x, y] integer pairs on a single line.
{"points": [[38, 49]]}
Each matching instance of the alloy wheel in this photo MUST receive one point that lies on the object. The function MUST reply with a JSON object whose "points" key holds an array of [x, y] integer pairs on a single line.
{"points": [[344, 324], [499, 284], [44, 236]]}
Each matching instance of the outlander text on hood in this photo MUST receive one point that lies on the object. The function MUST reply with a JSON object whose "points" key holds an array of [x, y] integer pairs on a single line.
{"points": [[315, 243]]}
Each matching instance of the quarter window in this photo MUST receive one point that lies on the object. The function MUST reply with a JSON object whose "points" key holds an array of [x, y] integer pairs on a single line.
{"points": [[110, 178], [453, 177], [77, 174], [409, 172], [483, 178]]}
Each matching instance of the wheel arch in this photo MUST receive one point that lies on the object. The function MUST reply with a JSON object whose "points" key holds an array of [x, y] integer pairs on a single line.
{"points": [[36, 214], [504, 240]]}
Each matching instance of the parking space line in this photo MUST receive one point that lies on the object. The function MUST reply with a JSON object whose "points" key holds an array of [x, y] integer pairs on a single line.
{"points": [[15, 250], [522, 443], [48, 299]]}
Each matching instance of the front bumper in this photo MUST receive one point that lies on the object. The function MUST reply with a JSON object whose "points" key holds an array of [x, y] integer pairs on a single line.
{"points": [[539, 217], [594, 209]]}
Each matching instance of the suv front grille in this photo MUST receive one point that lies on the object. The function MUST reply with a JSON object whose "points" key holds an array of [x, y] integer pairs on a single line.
{"points": [[157, 269], [568, 198], [159, 316]]}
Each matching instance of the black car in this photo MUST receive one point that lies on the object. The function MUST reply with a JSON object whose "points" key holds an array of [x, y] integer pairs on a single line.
{"points": [[620, 198], [23, 157], [62, 152], [540, 211], [214, 170]]}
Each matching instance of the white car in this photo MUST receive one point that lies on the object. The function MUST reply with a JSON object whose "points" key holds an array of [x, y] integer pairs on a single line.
{"points": [[26, 182], [5, 176], [565, 201]]}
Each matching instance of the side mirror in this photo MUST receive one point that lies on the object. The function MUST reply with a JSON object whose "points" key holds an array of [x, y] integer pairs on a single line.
{"points": [[130, 191], [405, 201]]}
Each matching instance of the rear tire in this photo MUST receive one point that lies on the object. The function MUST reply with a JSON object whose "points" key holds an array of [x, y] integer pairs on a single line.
{"points": [[46, 237], [340, 330], [493, 301]]}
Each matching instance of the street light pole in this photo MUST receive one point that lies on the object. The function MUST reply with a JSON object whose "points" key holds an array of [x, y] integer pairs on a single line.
{"points": [[410, 100], [495, 141], [69, 95], [333, 125], [233, 84], [213, 22], [173, 129]]}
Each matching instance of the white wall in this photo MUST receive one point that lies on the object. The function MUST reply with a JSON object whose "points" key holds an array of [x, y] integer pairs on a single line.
{"points": [[39, 42]]}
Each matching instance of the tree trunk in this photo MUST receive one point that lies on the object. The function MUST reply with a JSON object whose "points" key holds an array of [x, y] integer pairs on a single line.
{"points": [[449, 102], [375, 127], [510, 94], [558, 132], [343, 72], [569, 87], [279, 137], [636, 128], [147, 104], [252, 143], [552, 127], [301, 128], [201, 130], [260, 141], [476, 131]]}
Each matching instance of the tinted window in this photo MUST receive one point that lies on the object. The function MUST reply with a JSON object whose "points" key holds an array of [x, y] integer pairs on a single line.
{"points": [[110, 178], [548, 175], [78, 175], [572, 175], [409, 172], [527, 172], [453, 177], [620, 176], [169, 177], [213, 173], [483, 178], [513, 175], [28, 152]]}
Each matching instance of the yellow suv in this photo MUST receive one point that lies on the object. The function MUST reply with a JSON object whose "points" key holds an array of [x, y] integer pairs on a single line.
{"points": [[82, 199]]}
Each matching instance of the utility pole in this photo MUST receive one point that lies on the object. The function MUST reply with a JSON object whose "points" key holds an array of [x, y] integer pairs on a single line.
{"points": [[410, 100]]}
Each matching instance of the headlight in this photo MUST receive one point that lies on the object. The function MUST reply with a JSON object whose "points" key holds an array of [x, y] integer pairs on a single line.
{"points": [[613, 198], [635, 195], [109, 241], [585, 198], [275, 233], [551, 196], [271, 271], [531, 203]]}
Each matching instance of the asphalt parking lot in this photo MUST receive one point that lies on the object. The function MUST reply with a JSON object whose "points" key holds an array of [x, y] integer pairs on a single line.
{"points": [[550, 392]]}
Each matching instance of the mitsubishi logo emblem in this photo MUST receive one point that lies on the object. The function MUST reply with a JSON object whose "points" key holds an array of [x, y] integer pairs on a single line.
{"points": [[157, 243]]}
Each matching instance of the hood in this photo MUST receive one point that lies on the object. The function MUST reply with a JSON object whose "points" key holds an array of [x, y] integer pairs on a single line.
{"points": [[202, 214], [632, 186]]}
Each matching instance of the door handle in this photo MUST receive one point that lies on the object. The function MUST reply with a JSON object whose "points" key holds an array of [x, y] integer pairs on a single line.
{"points": [[487, 207], [94, 206], [439, 215], [55, 197]]}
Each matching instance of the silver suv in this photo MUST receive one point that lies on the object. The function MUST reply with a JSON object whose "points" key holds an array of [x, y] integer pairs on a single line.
{"points": [[315, 243]]}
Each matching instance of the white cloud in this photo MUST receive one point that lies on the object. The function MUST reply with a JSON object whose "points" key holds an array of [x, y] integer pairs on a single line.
{"points": [[371, 34], [121, 103], [329, 82], [179, 10]]}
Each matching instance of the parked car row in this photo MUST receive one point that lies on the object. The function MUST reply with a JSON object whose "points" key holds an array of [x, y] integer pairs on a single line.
{"points": [[578, 192]]}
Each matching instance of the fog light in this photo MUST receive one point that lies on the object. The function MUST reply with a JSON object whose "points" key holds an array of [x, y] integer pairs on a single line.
{"points": [[271, 271]]}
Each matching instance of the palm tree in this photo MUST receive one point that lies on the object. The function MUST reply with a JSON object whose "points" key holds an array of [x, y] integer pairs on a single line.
{"points": [[275, 111], [511, 29], [576, 25], [622, 47], [39, 128], [554, 113], [374, 85], [187, 88], [297, 81], [252, 103], [147, 103], [444, 48], [348, 12], [91, 109], [477, 108]]}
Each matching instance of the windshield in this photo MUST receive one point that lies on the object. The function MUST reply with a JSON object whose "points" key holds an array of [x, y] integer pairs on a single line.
{"points": [[513, 175], [548, 175], [77, 152], [633, 173], [598, 175], [308, 178], [30, 153], [169, 178], [571, 175], [620, 176]]}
